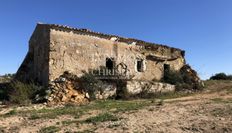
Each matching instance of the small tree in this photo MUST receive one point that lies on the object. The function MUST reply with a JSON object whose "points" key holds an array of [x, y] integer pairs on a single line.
{"points": [[230, 77], [181, 79], [221, 76]]}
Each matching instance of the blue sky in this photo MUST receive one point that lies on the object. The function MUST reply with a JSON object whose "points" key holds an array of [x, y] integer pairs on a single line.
{"points": [[201, 27]]}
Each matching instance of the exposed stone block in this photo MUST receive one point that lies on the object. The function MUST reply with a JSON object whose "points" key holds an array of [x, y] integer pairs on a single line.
{"points": [[134, 88]]}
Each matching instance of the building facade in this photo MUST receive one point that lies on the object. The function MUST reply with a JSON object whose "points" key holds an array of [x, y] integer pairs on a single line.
{"points": [[54, 49]]}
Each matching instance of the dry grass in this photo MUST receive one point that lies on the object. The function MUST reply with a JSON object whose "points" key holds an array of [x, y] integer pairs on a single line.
{"points": [[123, 116]]}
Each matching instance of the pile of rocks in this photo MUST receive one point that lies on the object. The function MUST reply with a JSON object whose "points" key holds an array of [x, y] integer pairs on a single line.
{"points": [[66, 89]]}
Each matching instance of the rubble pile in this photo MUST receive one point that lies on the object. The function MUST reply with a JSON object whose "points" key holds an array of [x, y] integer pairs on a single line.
{"points": [[66, 89], [191, 73]]}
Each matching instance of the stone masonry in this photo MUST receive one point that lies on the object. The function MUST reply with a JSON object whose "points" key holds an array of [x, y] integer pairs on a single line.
{"points": [[54, 49]]}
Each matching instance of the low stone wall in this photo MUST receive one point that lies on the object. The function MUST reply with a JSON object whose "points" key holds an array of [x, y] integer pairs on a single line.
{"points": [[134, 88]]}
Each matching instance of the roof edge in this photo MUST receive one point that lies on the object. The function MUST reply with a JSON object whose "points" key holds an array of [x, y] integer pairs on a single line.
{"points": [[106, 36]]}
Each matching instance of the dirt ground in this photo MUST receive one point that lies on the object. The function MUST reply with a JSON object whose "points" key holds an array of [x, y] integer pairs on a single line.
{"points": [[209, 111]]}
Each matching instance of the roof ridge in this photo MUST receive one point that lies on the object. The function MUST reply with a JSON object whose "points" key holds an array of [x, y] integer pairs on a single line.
{"points": [[108, 36]]}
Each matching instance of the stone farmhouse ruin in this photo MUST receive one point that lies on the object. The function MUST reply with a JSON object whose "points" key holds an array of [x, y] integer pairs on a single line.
{"points": [[56, 49]]}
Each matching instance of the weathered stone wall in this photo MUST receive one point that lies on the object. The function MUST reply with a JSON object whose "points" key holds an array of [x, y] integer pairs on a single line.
{"points": [[134, 88], [76, 52], [54, 49], [39, 46], [35, 65]]}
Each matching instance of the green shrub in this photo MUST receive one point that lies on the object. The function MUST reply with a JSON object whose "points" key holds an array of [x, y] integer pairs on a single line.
{"points": [[4, 95], [22, 93], [182, 80], [121, 89], [183, 86], [221, 76], [101, 118], [10, 113], [91, 84], [50, 129], [172, 77]]}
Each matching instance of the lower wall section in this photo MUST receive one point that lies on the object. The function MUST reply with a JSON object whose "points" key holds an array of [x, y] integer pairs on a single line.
{"points": [[108, 91], [134, 88], [71, 88]]}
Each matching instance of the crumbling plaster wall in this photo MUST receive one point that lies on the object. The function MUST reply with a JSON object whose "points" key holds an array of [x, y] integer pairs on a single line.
{"points": [[77, 52]]}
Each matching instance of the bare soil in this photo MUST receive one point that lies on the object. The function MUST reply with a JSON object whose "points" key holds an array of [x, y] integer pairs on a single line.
{"points": [[209, 111]]}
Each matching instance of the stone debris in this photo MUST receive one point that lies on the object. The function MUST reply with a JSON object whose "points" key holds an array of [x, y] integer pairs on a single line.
{"points": [[191, 73], [66, 89]]}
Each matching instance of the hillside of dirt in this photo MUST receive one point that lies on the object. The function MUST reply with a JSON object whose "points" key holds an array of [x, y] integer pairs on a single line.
{"points": [[208, 111]]}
